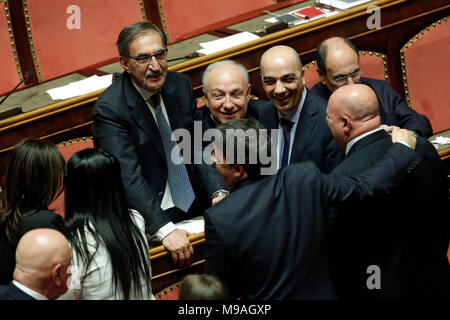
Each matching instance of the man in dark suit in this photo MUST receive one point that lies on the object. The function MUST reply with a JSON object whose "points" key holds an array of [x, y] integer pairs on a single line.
{"points": [[400, 242], [299, 115], [43, 257], [134, 120], [267, 239], [338, 65]]}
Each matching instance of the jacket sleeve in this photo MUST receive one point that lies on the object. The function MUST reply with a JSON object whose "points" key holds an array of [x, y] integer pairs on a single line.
{"points": [[111, 134], [376, 181]]}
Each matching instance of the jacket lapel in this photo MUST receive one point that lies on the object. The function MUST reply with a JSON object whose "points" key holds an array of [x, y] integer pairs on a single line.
{"points": [[142, 115], [305, 126]]}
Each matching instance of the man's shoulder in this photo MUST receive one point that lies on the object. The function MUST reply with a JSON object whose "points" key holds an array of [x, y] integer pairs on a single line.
{"points": [[376, 84], [174, 76]]}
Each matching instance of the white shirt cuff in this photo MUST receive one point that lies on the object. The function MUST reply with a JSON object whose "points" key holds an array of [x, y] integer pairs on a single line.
{"points": [[165, 230], [404, 143]]}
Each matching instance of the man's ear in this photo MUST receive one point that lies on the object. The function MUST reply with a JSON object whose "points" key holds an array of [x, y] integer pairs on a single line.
{"points": [[57, 274], [249, 89], [124, 63], [346, 124], [238, 172], [322, 75]]}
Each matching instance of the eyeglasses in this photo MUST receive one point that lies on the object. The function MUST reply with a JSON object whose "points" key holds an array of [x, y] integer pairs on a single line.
{"points": [[147, 58], [343, 77]]}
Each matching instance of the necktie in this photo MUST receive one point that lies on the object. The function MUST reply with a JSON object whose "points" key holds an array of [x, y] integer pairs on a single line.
{"points": [[286, 125], [180, 186]]}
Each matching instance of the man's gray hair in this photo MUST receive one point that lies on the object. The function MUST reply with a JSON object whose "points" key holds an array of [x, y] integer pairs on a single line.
{"points": [[221, 63]]}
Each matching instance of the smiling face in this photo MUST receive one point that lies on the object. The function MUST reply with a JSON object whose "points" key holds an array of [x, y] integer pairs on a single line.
{"points": [[282, 78], [227, 93], [152, 75]]}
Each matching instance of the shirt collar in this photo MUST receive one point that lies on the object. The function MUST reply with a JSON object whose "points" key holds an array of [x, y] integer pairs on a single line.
{"points": [[144, 93], [296, 115], [29, 291], [356, 139]]}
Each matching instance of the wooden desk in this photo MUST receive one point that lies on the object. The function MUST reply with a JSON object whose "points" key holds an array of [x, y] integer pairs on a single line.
{"points": [[165, 273]]}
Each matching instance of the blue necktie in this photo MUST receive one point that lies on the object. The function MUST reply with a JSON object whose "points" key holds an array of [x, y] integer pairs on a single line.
{"points": [[286, 125], [179, 183]]}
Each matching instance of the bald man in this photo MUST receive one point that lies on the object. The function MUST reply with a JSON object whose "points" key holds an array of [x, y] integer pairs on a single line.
{"points": [[338, 65], [298, 114], [395, 247], [43, 257]]}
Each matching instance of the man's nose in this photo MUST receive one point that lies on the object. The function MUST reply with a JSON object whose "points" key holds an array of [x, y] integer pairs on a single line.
{"points": [[279, 87]]}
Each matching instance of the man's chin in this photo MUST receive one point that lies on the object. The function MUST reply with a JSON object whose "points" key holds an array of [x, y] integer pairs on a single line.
{"points": [[152, 84]]}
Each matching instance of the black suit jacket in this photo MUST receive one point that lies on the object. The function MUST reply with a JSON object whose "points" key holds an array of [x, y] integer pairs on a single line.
{"points": [[313, 139], [40, 219], [124, 126], [11, 292], [268, 238], [393, 109], [406, 235]]}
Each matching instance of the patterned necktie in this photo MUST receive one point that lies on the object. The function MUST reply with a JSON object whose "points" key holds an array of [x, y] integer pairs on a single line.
{"points": [[180, 186], [286, 125]]}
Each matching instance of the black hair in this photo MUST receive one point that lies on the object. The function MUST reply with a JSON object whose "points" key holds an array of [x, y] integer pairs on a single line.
{"points": [[34, 178], [96, 201], [248, 143]]}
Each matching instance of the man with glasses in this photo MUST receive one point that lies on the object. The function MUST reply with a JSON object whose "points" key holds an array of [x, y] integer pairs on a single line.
{"points": [[134, 120], [338, 65], [298, 114]]}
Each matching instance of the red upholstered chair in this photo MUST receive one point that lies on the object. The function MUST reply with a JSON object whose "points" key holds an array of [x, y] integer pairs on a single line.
{"points": [[59, 47], [426, 73], [373, 65], [68, 149], [182, 19], [11, 73], [169, 293]]}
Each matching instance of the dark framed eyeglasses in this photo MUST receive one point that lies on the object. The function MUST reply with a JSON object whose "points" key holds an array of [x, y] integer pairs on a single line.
{"points": [[147, 58], [343, 77]]}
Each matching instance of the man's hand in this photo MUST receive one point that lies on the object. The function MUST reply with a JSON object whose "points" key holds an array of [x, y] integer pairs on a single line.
{"points": [[403, 135], [387, 128], [177, 243], [217, 199]]}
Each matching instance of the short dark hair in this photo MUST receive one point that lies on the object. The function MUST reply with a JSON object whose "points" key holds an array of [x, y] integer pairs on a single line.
{"points": [[321, 54], [34, 178], [134, 31], [245, 134], [202, 287]]}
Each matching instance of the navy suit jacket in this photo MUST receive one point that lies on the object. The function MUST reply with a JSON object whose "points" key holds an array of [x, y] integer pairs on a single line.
{"points": [[124, 126], [393, 109], [406, 235], [313, 139], [268, 238], [11, 292]]}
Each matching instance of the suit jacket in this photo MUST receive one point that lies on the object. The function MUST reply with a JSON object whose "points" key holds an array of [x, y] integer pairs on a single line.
{"points": [[313, 139], [393, 109], [124, 126], [40, 219], [11, 292], [406, 235], [268, 238]]}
